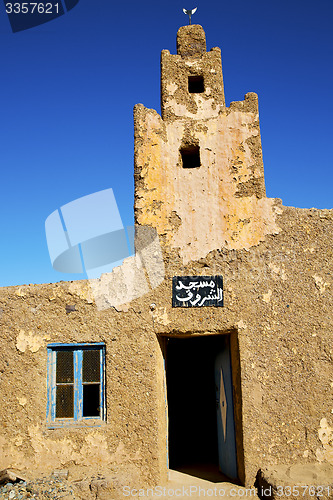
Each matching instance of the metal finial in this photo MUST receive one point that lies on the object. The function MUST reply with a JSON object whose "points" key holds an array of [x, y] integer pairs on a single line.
{"points": [[189, 13]]}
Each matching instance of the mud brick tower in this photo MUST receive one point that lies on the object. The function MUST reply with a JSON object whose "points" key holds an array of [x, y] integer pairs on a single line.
{"points": [[198, 168]]}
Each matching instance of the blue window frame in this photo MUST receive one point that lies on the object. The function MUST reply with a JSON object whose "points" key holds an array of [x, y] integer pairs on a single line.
{"points": [[75, 384]]}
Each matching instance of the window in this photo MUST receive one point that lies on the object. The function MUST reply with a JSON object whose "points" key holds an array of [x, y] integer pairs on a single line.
{"points": [[196, 84], [190, 156], [75, 384]]}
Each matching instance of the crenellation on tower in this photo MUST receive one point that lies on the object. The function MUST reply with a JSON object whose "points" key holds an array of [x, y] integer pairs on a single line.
{"points": [[191, 41]]}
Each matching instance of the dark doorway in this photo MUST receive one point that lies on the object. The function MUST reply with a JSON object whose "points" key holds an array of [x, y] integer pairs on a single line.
{"points": [[191, 390]]}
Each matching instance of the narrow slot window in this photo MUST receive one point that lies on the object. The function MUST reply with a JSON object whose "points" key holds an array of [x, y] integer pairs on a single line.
{"points": [[190, 156], [196, 84]]}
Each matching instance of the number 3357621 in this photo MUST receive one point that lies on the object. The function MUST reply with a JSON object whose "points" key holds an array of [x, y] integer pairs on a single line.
{"points": [[32, 8]]}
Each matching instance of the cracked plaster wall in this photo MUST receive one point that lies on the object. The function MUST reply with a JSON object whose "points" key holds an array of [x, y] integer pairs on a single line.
{"points": [[222, 203], [34, 316], [219, 205]]}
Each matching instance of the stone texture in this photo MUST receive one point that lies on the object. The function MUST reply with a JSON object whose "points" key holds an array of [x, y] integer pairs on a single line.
{"points": [[191, 41], [298, 480]]}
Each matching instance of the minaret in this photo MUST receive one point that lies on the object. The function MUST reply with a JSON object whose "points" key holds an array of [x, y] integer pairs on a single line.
{"points": [[192, 81], [199, 177]]}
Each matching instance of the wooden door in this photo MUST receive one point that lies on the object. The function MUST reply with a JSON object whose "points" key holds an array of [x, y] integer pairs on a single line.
{"points": [[225, 413]]}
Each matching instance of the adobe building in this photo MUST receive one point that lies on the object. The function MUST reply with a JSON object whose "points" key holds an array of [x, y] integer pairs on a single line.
{"points": [[224, 360]]}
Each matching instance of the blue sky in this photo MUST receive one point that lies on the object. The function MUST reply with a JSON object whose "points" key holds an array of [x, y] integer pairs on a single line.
{"points": [[69, 87]]}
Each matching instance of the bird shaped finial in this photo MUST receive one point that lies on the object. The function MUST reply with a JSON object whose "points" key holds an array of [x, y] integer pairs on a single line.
{"points": [[189, 13]]}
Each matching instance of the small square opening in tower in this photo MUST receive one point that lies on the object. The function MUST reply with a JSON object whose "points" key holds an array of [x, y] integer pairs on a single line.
{"points": [[196, 84], [190, 156]]}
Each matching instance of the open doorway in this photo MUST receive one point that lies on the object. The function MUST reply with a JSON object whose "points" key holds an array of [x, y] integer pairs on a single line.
{"points": [[197, 403]]}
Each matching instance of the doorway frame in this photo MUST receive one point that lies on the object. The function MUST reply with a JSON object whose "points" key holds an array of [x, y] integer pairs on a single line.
{"points": [[237, 390]]}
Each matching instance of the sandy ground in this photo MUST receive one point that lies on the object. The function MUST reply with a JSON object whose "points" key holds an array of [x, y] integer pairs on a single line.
{"points": [[185, 485]]}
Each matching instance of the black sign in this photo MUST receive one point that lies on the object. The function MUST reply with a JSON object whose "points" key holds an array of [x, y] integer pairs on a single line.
{"points": [[197, 291]]}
